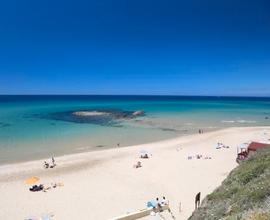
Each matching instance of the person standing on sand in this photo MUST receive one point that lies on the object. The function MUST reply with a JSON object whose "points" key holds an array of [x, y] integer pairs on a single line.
{"points": [[197, 200], [53, 161]]}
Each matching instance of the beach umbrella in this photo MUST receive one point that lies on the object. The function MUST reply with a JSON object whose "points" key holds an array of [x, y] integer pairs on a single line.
{"points": [[32, 180]]}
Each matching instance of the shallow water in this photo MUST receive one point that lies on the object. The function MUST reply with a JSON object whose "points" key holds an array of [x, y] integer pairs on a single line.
{"points": [[25, 135]]}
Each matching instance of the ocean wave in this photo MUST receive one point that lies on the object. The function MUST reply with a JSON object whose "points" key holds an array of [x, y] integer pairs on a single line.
{"points": [[245, 121], [238, 121], [225, 121]]}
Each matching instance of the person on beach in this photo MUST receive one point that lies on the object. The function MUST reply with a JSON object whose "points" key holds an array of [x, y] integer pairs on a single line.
{"points": [[158, 203], [46, 165], [197, 200], [138, 165], [164, 201], [53, 162], [54, 185]]}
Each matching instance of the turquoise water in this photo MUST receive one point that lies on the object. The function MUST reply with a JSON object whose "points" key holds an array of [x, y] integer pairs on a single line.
{"points": [[27, 132]]}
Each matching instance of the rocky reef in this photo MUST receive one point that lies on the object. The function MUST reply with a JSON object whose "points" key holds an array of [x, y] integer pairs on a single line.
{"points": [[106, 117]]}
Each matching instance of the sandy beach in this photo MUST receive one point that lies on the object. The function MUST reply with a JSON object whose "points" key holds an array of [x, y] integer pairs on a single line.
{"points": [[104, 184]]}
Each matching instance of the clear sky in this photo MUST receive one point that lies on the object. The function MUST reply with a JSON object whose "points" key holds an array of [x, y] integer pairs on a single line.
{"points": [[182, 47]]}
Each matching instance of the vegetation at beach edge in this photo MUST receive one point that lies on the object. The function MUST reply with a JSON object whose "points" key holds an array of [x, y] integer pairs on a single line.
{"points": [[243, 195]]}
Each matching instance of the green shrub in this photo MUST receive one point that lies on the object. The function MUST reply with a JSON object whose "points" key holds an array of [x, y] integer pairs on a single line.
{"points": [[245, 189]]}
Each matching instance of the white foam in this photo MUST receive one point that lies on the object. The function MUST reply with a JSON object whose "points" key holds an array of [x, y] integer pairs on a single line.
{"points": [[245, 121], [224, 121]]}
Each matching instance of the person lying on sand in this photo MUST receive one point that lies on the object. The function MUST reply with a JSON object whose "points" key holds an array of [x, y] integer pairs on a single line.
{"points": [[53, 185], [199, 156], [220, 145], [36, 188], [138, 165], [46, 165], [145, 156], [45, 189]]}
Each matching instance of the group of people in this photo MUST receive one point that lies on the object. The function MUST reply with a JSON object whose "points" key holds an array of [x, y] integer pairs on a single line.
{"points": [[47, 165], [199, 156], [143, 155], [37, 188], [201, 131], [162, 202], [41, 187], [158, 203], [220, 145]]}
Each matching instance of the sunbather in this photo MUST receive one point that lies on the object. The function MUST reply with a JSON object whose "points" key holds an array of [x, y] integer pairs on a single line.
{"points": [[138, 164], [145, 156], [46, 165], [54, 185], [45, 189], [36, 188]]}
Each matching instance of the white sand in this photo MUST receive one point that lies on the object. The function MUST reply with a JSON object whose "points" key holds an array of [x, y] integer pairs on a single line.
{"points": [[104, 184]]}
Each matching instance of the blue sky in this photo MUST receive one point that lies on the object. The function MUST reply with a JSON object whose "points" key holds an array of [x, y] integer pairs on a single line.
{"points": [[188, 47]]}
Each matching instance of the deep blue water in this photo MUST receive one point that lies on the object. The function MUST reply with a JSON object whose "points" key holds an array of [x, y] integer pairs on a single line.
{"points": [[42, 98]]}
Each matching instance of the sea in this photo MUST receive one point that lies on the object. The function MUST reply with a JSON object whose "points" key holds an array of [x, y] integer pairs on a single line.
{"points": [[41, 126]]}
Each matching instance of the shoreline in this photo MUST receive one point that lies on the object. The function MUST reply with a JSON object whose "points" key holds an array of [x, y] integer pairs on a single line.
{"points": [[75, 155], [83, 149], [72, 158], [89, 177]]}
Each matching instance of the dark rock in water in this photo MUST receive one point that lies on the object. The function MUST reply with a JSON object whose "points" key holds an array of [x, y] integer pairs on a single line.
{"points": [[4, 125], [106, 117], [266, 117]]}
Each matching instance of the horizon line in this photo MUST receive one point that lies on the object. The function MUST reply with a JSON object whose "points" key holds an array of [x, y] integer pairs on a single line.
{"points": [[222, 96]]}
